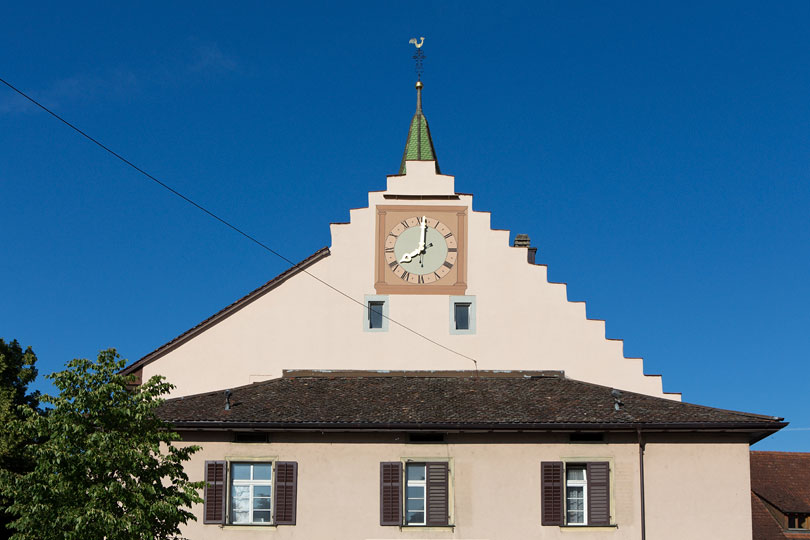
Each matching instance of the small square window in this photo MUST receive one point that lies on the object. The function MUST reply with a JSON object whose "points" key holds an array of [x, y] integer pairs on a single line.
{"points": [[375, 315], [462, 316]]}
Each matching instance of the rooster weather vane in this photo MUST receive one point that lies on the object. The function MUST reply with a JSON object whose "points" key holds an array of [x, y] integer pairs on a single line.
{"points": [[419, 56]]}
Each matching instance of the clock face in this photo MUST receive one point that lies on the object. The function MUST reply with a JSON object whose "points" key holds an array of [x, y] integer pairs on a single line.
{"points": [[420, 250]]}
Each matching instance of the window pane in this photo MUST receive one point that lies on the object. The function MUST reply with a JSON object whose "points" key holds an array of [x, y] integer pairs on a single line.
{"points": [[262, 491], [415, 504], [240, 471], [262, 472], [576, 499], [375, 314], [575, 473], [261, 517], [576, 517], [462, 316], [416, 473], [416, 492], [415, 518], [261, 504], [241, 517]]}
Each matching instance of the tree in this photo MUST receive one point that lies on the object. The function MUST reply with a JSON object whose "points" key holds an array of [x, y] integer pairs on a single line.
{"points": [[17, 371], [106, 467]]}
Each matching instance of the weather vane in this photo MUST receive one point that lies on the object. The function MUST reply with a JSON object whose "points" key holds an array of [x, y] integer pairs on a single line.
{"points": [[419, 56]]}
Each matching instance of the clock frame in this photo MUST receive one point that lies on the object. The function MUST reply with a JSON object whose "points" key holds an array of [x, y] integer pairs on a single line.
{"points": [[451, 277]]}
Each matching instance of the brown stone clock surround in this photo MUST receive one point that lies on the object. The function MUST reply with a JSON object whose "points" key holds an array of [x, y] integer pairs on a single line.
{"points": [[388, 217]]}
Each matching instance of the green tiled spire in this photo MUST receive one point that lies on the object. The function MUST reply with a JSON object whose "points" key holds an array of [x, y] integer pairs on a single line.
{"points": [[419, 146]]}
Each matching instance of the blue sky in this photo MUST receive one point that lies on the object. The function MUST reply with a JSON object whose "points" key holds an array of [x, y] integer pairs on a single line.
{"points": [[658, 156]]}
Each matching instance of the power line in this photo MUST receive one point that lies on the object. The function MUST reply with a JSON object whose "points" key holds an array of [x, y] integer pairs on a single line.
{"points": [[225, 222]]}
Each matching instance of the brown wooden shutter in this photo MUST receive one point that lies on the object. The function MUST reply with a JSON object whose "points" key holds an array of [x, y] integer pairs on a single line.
{"points": [[552, 487], [391, 493], [599, 493], [285, 487], [438, 495], [214, 494]]}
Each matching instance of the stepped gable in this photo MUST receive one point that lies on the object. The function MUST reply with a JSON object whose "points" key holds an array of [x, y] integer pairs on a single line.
{"points": [[448, 400]]}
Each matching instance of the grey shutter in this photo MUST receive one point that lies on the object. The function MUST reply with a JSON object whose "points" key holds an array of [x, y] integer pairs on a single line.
{"points": [[285, 492], [214, 494], [551, 486], [438, 494], [391, 493], [599, 493]]}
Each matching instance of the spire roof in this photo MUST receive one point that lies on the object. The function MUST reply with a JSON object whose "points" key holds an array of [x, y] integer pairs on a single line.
{"points": [[419, 145]]}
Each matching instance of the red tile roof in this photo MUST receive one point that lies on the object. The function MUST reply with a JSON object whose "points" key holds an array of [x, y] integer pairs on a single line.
{"points": [[782, 479], [765, 525]]}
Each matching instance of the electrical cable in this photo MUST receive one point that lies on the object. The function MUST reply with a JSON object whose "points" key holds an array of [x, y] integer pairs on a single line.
{"points": [[226, 223]]}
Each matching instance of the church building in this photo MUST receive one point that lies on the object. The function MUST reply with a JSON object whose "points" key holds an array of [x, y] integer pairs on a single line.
{"points": [[421, 378]]}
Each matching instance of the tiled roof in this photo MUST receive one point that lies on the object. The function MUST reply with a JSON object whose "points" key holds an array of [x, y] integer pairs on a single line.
{"points": [[765, 526], [782, 479], [426, 400], [419, 144], [229, 310]]}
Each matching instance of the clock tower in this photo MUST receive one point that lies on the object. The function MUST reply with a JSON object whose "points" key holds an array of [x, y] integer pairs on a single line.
{"points": [[420, 248]]}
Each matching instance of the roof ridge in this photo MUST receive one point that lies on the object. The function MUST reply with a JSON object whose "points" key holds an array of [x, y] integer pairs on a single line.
{"points": [[420, 373], [780, 452]]}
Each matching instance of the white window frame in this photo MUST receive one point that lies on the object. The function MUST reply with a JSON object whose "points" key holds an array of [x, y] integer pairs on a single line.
{"points": [[250, 483], [468, 300], [574, 484], [383, 299], [451, 494], [416, 483]]}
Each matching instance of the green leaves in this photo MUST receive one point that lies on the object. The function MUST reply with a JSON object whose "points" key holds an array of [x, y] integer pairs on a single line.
{"points": [[106, 466]]}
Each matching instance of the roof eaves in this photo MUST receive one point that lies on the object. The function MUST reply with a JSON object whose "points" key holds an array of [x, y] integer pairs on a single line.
{"points": [[228, 311], [743, 427]]}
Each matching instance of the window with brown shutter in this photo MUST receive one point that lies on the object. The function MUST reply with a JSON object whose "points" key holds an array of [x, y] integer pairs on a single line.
{"points": [[575, 494], [285, 492], [214, 494], [437, 494], [598, 493], [391, 493], [551, 480]]}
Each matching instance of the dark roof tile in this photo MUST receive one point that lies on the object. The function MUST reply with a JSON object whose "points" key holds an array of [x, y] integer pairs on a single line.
{"points": [[382, 401]]}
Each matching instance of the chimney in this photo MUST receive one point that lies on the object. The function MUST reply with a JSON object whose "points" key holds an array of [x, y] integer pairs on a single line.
{"points": [[523, 240]]}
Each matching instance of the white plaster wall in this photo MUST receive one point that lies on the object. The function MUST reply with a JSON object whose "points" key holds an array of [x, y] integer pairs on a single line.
{"points": [[495, 488], [698, 491], [523, 321]]}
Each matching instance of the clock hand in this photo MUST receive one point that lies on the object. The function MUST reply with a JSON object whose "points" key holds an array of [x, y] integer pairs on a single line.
{"points": [[423, 236], [408, 257]]}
